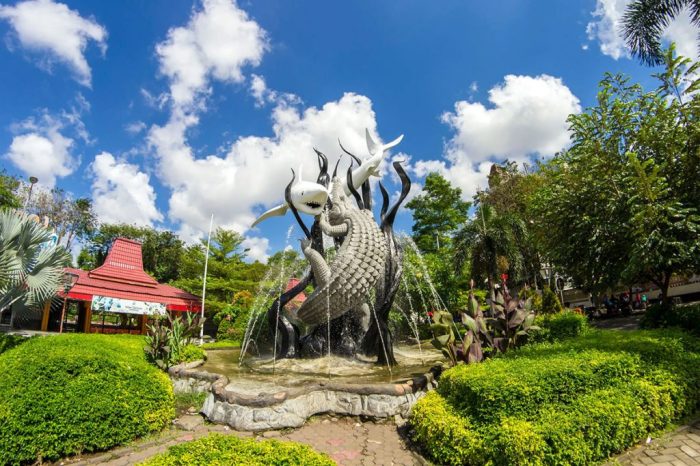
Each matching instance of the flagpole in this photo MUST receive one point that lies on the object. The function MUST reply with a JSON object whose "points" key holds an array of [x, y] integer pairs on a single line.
{"points": [[204, 282]]}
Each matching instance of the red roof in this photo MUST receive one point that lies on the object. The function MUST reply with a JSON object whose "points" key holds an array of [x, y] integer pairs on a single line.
{"points": [[301, 297], [122, 276]]}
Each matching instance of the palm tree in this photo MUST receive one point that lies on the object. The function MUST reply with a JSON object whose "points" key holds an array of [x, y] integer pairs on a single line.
{"points": [[491, 244], [31, 268], [645, 21]]}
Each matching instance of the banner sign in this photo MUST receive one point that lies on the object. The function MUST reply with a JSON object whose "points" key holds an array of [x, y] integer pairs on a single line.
{"points": [[126, 306]]}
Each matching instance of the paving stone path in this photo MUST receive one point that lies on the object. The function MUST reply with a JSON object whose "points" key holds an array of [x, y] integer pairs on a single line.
{"points": [[348, 441], [678, 448]]}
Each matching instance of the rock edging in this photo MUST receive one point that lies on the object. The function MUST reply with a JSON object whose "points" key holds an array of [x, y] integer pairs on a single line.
{"points": [[290, 407]]}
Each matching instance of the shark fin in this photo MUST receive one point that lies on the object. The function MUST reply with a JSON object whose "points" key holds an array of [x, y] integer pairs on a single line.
{"points": [[375, 148], [274, 212]]}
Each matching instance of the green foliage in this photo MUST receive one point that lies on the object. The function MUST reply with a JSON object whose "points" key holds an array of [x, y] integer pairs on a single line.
{"points": [[574, 402], [437, 213], [560, 326], [221, 344], [444, 435], [631, 174], [190, 353], [227, 273], [686, 317], [67, 394], [229, 450], [187, 401], [168, 339], [8, 191], [7, 342], [508, 327], [31, 270], [550, 302]]}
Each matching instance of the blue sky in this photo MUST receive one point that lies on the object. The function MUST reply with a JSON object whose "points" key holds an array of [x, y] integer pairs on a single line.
{"points": [[165, 112]]}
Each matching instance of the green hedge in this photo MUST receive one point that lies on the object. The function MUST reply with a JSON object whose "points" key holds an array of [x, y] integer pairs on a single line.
{"points": [[575, 402], [190, 353], [62, 395], [686, 317], [7, 342], [218, 449], [559, 326]]}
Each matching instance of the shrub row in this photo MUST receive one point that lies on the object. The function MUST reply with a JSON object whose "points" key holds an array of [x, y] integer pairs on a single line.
{"points": [[575, 402], [217, 449], [521, 386], [686, 317], [67, 394], [559, 326], [7, 342], [190, 353]]}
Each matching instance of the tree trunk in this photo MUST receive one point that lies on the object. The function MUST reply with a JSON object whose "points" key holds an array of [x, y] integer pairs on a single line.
{"points": [[665, 283]]}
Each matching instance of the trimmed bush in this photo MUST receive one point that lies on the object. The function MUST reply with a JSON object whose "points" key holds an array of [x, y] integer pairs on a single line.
{"points": [[190, 353], [445, 435], [66, 394], [560, 326], [681, 316], [217, 449], [7, 342], [574, 402]]}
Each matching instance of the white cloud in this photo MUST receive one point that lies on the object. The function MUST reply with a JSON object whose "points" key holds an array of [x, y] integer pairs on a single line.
{"points": [[57, 31], [527, 117], [255, 170], [257, 248], [40, 148], [606, 28], [135, 127], [122, 193], [217, 42]]}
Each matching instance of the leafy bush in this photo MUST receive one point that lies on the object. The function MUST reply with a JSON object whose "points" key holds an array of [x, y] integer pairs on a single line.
{"points": [[191, 353], [230, 450], [574, 402], [557, 327], [67, 394], [550, 302], [685, 317], [7, 342]]}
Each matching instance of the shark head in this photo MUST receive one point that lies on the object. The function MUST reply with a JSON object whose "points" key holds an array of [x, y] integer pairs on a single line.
{"points": [[306, 196]]}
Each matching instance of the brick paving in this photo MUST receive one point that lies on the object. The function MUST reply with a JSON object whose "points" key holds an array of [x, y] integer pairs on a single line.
{"points": [[678, 448], [348, 441]]}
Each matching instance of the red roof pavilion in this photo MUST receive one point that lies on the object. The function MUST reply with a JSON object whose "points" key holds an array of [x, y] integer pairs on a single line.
{"points": [[122, 276]]}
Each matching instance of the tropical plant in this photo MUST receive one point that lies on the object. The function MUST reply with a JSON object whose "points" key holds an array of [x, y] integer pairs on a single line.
{"points": [[167, 338], [645, 21], [31, 267]]}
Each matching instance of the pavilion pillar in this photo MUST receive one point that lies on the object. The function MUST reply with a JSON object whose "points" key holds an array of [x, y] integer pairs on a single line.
{"points": [[88, 316], [144, 324], [45, 316]]}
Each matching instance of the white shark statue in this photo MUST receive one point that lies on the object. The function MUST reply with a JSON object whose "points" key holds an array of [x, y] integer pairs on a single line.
{"points": [[310, 197]]}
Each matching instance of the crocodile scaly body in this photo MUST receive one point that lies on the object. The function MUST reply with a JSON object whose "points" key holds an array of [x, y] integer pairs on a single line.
{"points": [[346, 282]]}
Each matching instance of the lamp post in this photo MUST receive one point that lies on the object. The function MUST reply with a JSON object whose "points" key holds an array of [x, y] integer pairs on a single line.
{"points": [[32, 181], [69, 281]]}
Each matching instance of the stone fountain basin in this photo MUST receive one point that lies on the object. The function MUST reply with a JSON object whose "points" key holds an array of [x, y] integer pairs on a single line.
{"points": [[255, 401]]}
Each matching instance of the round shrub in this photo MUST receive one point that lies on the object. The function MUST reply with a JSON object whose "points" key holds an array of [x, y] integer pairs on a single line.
{"points": [[220, 450], [67, 394], [190, 353]]}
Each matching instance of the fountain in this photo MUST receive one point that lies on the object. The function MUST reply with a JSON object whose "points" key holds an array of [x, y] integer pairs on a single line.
{"points": [[335, 353]]}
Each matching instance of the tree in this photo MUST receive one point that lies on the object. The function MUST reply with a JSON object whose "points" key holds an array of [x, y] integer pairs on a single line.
{"points": [[71, 219], [162, 250], [8, 191], [622, 204], [227, 272], [437, 213], [645, 21], [489, 242], [31, 269]]}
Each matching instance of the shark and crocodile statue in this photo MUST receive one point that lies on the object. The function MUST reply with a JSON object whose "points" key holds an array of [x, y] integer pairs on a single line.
{"points": [[364, 273]]}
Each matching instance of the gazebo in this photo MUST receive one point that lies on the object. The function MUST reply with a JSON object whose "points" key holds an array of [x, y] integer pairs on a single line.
{"points": [[117, 297]]}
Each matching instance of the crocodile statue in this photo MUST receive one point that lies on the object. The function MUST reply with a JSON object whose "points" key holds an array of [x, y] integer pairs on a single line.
{"points": [[345, 283]]}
